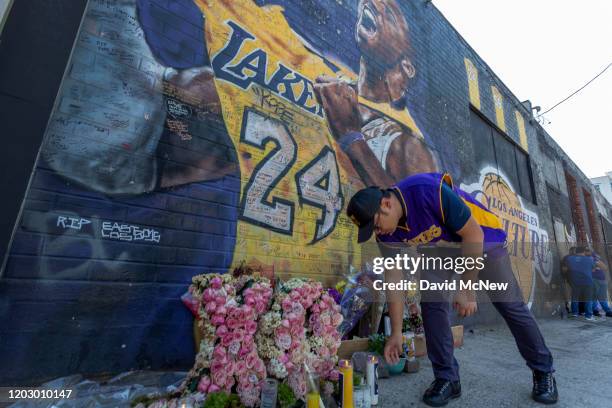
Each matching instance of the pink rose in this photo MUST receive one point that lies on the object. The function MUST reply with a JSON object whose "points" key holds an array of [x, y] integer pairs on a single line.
{"points": [[219, 378], [240, 367], [251, 359], [325, 319], [296, 330], [233, 323], [216, 366], [203, 384], [286, 304], [229, 383], [210, 307], [213, 388], [221, 331], [250, 327], [260, 367], [226, 340], [233, 312], [247, 312], [217, 320], [230, 367], [207, 296], [219, 352], [331, 331], [216, 282]]}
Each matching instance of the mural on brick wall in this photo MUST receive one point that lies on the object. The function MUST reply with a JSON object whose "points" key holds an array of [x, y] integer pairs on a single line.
{"points": [[165, 120], [528, 242], [189, 137]]}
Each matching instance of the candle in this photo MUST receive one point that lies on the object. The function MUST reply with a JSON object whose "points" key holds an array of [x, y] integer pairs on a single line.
{"points": [[372, 378], [268, 393], [312, 400], [346, 384]]}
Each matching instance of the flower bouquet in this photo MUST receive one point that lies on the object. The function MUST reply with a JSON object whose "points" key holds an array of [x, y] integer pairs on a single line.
{"points": [[251, 329]]}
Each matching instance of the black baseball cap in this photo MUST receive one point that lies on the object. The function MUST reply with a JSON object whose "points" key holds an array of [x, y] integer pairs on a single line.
{"points": [[361, 210]]}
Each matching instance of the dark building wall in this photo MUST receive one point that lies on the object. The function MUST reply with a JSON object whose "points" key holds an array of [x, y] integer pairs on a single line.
{"points": [[34, 48], [171, 152]]}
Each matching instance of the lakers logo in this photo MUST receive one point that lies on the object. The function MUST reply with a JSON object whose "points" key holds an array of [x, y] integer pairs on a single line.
{"points": [[527, 242], [426, 236]]}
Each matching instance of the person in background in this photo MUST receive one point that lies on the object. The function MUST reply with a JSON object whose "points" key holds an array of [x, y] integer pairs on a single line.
{"points": [[600, 287], [580, 266], [566, 283]]}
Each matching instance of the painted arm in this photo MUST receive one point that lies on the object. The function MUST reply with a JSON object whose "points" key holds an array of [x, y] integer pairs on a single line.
{"points": [[196, 145], [197, 148], [409, 155], [339, 100]]}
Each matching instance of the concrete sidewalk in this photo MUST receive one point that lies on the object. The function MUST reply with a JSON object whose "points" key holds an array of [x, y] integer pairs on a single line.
{"points": [[493, 373]]}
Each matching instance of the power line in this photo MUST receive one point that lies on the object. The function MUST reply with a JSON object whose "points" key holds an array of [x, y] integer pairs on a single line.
{"points": [[584, 86]]}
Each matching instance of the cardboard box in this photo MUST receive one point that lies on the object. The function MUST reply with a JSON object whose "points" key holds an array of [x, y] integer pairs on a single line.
{"points": [[348, 347]]}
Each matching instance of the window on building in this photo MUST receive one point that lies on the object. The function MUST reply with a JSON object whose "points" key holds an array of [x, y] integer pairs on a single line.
{"points": [[491, 146], [597, 187]]}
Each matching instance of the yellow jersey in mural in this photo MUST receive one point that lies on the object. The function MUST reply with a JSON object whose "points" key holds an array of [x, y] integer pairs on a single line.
{"points": [[295, 180]]}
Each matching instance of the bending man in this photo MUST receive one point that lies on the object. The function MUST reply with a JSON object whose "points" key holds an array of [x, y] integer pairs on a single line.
{"points": [[423, 210]]}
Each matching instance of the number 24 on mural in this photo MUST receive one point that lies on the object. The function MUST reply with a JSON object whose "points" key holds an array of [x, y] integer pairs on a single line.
{"points": [[317, 183]]}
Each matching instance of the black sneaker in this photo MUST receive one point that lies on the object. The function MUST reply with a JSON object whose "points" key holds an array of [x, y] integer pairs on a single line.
{"points": [[608, 314], [544, 388], [441, 391]]}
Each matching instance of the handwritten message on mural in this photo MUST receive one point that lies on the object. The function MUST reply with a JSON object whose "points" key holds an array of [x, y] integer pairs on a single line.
{"points": [[111, 230]]}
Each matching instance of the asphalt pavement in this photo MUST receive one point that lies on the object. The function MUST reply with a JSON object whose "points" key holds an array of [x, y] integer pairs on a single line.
{"points": [[493, 373]]}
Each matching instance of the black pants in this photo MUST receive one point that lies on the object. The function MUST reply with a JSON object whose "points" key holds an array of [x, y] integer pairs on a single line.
{"points": [[529, 340]]}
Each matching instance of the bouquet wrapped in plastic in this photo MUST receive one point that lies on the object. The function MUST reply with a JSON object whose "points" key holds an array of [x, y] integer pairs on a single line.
{"points": [[357, 298]]}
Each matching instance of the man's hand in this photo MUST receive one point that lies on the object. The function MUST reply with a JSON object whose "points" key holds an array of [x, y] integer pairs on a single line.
{"points": [[465, 303], [339, 100], [393, 348]]}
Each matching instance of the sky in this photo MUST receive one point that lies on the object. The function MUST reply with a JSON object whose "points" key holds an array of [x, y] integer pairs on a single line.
{"points": [[544, 50]]}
